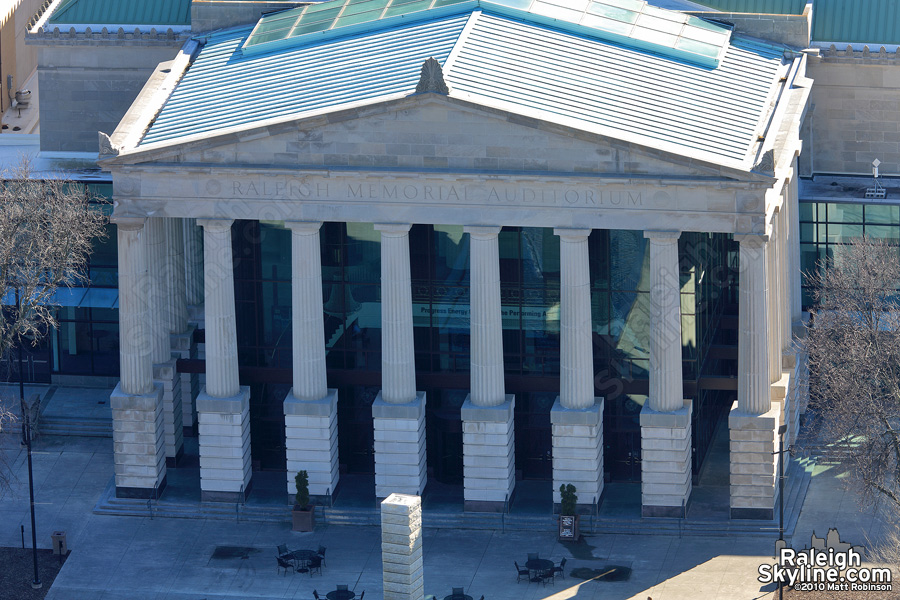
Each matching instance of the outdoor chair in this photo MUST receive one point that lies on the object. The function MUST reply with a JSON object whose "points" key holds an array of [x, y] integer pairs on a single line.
{"points": [[362, 594], [560, 570], [482, 597], [342, 588], [316, 595], [283, 550], [315, 564], [458, 592], [321, 553], [533, 556], [546, 576], [520, 573], [284, 563]]}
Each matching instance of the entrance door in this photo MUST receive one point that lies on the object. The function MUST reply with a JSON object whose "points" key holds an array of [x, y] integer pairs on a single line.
{"points": [[267, 450], [534, 443], [622, 438], [356, 435]]}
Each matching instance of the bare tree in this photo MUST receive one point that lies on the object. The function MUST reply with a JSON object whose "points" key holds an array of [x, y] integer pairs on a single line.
{"points": [[47, 227], [853, 342]]}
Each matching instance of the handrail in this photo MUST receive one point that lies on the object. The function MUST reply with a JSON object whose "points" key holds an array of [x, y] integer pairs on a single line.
{"points": [[504, 513], [238, 505]]}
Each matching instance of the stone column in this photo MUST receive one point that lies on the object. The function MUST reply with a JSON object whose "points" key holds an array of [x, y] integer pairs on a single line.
{"points": [[138, 432], [754, 419], [192, 241], [399, 410], [773, 302], [401, 547], [310, 409], [666, 417], [161, 320], [489, 466], [193, 261], [796, 278], [577, 416], [223, 405]]}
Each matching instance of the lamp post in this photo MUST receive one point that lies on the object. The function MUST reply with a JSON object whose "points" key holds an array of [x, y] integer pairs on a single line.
{"points": [[26, 438], [780, 452]]}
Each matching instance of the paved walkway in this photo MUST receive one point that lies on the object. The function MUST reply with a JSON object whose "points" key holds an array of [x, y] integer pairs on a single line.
{"points": [[140, 558]]}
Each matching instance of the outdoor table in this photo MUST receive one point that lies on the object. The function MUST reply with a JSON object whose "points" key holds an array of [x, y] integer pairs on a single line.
{"points": [[303, 557], [340, 595], [538, 566]]}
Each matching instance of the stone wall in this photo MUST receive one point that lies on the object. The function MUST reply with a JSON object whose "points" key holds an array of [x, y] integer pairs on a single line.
{"points": [[208, 15], [792, 30]]}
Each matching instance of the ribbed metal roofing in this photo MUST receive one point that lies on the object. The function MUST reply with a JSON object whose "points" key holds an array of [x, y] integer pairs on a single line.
{"points": [[524, 68], [617, 91], [122, 12], [778, 7], [223, 88]]}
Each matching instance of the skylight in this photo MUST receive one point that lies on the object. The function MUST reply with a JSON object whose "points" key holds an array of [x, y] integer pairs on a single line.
{"points": [[629, 22]]}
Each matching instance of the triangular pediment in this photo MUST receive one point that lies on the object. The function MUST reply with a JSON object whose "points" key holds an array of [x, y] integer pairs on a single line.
{"points": [[427, 132]]}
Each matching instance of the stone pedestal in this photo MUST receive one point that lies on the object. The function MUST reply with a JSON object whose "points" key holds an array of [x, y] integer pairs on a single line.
{"points": [[166, 376], [753, 465], [578, 450], [224, 429], [399, 446], [310, 432], [183, 346], [665, 461], [139, 443], [401, 547], [489, 464]]}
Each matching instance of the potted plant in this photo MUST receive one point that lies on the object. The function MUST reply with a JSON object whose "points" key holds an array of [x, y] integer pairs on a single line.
{"points": [[568, 519], [303, 515]]}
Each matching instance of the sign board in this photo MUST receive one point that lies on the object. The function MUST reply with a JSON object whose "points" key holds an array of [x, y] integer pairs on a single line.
{"points": [[567, 528]]}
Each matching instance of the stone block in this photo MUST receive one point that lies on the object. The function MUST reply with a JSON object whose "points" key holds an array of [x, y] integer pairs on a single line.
{"points": [[224, 448], [138, 441], [488, 451], [665, 460]]}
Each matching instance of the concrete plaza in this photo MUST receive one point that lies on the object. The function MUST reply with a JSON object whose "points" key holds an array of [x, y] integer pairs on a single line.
{"points": [[139, 558]]}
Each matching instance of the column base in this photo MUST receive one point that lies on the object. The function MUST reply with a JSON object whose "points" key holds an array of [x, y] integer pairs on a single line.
{"points": [[224, 428], [666, 461], [753, 464], [311, 439], [138, 442], [489, 460], [399, 447], [165, 374], [578, 450]]}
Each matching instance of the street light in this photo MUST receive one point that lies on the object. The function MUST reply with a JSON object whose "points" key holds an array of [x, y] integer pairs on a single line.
{"points": [[780, 452], [26, 439]]}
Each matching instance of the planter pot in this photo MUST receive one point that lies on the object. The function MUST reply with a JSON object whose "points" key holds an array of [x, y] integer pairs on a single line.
{"points": [[304, 519], [568, 528]]}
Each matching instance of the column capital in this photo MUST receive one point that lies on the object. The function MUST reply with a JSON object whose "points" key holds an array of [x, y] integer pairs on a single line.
{"points": [[128, 223], [304, 227], [572, 235], [215, 224], [752, 239], [393, 229], [482, 231], [662, 235]]}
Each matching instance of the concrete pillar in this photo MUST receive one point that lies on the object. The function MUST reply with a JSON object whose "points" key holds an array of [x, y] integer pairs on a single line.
{"points": [[754, 418], [192, 236], [310, 409], [489, 466], [401, 547], [193, 261], [666, 417], [138, 432], [774, 298], [795, 271], [399, 410], [577, 416], [223, 405]]}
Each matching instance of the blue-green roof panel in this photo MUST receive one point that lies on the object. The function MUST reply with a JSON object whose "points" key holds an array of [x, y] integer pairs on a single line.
{"points": [[122, 12], [777, 7], [224, 88]]}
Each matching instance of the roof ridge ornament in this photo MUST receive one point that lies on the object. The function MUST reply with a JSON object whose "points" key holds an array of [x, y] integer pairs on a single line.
{"points": [[766, 163], [432, 78], [107, 147]]}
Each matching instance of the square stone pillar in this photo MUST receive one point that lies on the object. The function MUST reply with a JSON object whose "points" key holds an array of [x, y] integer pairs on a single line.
{"points": [[310, 434], [754, 439], [224, 429], [399, 446], [401, 547], [489, 463], [139, 443], [183, 346], [166, 376], [666, 461], [578, 450]]}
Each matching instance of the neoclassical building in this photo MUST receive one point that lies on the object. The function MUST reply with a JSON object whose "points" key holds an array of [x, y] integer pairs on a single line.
{"points": [[470, 242]]}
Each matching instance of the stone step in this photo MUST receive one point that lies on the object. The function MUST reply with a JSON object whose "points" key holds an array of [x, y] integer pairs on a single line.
{"points": [[76, 427]]}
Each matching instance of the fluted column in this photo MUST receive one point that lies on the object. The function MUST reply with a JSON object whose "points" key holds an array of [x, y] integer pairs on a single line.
{"points": [[221, 332], [193, 261], [176, 310], [774, 354], [784, 277], [795, 279], [576, 419], [223, 406], [398, 412], [485, 318], [753, 326], [310, 410], [489, 470], [136, 370], [666, 388], [160, 349], [398, 369], [138, 433]]}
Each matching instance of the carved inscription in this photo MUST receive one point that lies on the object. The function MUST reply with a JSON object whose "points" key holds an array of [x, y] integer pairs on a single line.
{"points": [[500, 193]]}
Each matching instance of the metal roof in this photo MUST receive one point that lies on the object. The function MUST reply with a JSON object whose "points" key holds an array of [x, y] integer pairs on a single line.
{"points": [[122, 12], [779, 7], [224, 88], [631, 22], [518, 66]]}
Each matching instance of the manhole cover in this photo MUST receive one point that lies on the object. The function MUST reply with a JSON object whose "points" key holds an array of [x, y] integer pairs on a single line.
{"points": [[606, 573], [226, 552]]}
